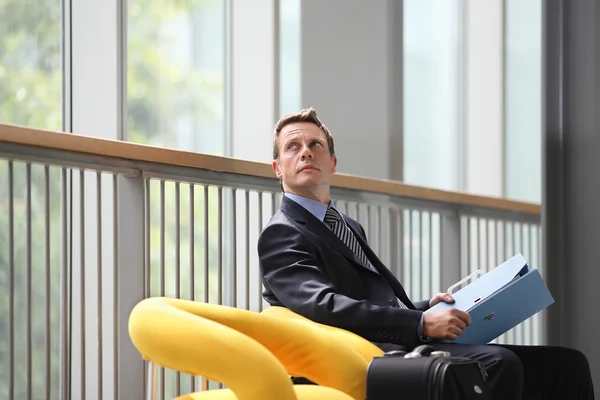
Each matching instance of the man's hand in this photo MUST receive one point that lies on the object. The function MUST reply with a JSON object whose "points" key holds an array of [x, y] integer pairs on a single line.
{"points": [[447, 323], [438, 298]]}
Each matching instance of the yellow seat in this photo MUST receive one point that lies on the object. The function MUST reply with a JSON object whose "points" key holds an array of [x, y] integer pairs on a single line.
{"points": [[365, 348], [303, 348], [177, 339]]}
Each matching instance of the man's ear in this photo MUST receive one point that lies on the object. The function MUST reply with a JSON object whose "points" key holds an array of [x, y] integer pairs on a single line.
{"points": [[334, 164], [275, 165]]}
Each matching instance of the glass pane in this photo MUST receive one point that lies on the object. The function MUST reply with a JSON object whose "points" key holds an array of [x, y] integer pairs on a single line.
{"points": [[523, 100], [30, 95], [289, 52], [30, 63], [432, 66], [175, 76]]}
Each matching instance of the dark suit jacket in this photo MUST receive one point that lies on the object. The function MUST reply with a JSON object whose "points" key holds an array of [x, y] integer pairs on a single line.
{"points": [[306, 268]]}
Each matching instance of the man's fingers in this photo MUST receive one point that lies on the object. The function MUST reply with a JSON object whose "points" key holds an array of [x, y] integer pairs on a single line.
{"points": [[464, 316], [461, 324], [447, 298]]}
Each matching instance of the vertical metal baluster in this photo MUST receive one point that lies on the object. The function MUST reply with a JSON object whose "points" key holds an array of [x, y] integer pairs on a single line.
{"points": [[99, 278], [48, 341], [177, 243], [147, 275], [192, 267], [410, 258], [519, 242], [147, 260], [260, 224], [247, 255], [468, 239], [64, 303], [498, 258], [220, 250], [379, 232], [192, 249], [525, 324], [477, 258], [115, 282], [220, 245], [206, 260], [509, 229], [400, 244], [432, 289], [234, 245], [82, 277], [162, 268], [498, 261], [534, 319], [206, 246], [420, 226], [28, 288], [514, 251], [11, 283], [486, 257], [177, 264]]}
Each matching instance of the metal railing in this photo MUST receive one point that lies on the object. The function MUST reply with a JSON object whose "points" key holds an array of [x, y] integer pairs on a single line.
{"points": [[90, 227]]}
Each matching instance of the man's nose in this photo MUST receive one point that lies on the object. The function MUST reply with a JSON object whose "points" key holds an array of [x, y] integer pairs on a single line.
{"points": [[306, 152]]}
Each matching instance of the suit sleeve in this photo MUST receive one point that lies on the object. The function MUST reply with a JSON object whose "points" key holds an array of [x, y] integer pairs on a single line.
{"points": [[291, 270]]}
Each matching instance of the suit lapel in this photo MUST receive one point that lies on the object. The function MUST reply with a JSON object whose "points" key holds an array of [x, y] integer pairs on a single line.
{"points": [[302, 216], [381, 268]]}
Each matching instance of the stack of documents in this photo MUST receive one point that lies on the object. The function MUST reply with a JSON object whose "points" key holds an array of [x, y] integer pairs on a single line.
{"points": [[500, 300]]}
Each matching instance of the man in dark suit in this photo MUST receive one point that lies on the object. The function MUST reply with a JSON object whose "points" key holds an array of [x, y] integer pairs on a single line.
{"points": [[315, 261]]}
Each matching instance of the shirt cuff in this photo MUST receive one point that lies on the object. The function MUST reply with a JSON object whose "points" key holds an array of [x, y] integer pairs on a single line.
{"points": [[420, 331]]}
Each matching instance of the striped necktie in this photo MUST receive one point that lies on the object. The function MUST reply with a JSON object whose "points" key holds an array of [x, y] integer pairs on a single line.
{"points": [[335, 223]]}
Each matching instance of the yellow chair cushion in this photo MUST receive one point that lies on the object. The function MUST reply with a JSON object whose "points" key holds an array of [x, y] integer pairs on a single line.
{"points": [[182, 341], [303, 348], [365, 348]]}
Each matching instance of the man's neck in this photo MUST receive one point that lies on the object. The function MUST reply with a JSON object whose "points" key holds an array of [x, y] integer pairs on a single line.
{"points": [[324, 197]]}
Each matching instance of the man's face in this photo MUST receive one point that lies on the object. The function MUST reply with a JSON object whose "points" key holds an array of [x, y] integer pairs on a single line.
{"points": [[305, 165]]}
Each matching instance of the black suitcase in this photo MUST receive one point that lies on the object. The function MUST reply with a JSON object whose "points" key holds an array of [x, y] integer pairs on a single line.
{"points": [[426, 374]]}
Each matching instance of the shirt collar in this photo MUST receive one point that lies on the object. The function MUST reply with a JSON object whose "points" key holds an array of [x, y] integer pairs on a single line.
{"points": [[314, 207]]}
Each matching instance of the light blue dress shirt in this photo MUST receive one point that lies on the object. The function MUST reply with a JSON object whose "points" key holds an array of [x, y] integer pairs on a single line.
{"points": [[319, 209]]}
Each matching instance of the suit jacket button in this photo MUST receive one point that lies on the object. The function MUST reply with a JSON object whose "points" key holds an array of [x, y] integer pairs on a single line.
{"points": [[391, 303]]}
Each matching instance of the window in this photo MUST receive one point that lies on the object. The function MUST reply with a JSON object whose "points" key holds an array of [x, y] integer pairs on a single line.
{"points": [[175, 74], [432, 90], [523, 100], [30, 95]]}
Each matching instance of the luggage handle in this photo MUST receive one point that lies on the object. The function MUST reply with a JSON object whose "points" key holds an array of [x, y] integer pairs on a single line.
{"points": [[423, 350], [457, 284]]}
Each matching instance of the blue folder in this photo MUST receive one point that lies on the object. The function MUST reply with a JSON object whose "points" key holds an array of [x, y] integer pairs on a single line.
{"points": [[500, 300]]}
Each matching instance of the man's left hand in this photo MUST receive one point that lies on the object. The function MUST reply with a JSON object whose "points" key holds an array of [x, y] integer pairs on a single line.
{"points": [[445, 297]]}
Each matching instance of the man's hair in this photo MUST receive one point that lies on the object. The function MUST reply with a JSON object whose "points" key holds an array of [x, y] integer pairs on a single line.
{"points": [[305, 115]]}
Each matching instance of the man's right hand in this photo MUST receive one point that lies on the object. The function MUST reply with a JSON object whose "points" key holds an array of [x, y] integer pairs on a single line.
{"points": [[447, 323]]}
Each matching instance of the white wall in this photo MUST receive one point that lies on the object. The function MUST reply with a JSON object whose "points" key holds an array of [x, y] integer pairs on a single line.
{"points": [[484, 97], [345, 75]]}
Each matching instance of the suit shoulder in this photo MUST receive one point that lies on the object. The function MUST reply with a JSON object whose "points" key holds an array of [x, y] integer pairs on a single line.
{"points": [[279, 222]]}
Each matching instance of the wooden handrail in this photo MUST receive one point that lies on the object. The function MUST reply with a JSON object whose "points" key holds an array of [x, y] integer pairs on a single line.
{"points": [[137, 152]]}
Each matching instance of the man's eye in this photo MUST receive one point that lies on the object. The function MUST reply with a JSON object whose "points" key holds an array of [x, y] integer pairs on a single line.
{"points": [[291, 146], [315, 144]]}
